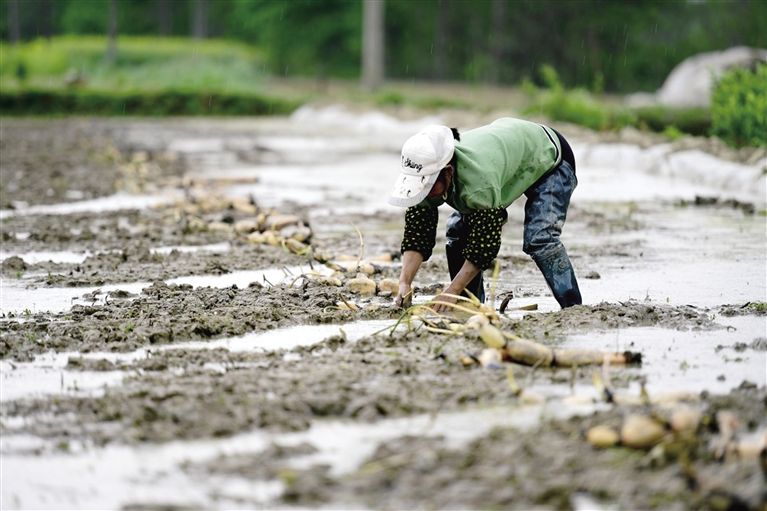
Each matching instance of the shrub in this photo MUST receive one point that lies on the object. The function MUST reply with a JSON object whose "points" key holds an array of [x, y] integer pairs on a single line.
{"points": [[694, 121], [576, 106], [739, 107]]}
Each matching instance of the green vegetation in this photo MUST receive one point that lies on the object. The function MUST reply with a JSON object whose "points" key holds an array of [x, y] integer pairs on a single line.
{"points": [[600, 45], [579, 106], [58, 102], [674, 121], [151, 76], [739, 107], [142, 63]]}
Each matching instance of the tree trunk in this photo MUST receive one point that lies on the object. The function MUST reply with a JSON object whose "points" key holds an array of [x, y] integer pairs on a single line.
{"points": [[499, 40], [441, 38], [14, 28], [200, 19], [372, 43], [46, 18], [111, 55], [165, 17]]}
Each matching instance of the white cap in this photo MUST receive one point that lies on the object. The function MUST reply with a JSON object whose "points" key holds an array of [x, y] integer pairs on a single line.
{"points": [[423, 156]]}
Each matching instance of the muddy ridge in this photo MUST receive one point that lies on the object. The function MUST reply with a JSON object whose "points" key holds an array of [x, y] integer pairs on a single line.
{"points": [[165, 314], [547, 467]]}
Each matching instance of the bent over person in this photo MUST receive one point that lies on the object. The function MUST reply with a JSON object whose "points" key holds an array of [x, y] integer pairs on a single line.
{"points": [[479, 174]]}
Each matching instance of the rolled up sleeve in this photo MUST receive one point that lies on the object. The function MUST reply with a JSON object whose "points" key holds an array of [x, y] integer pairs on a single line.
{"points": [[484, 240], [420, 230]]}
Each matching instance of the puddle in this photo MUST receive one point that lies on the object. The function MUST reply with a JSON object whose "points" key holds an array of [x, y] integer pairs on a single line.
{"points": [[688, 361], [37, 378], [216, 248], [63, 257], [628, 172], [113, 476], [271, 340], [288, 338], [18, 300], [111, 203], [47, 374], [271, 276]]}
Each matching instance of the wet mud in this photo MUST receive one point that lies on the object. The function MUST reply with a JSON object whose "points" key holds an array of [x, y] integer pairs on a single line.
{"points": [[164, 314], [550, 467], [141, 264], [606, 316], [179, 395], [172, 393], [47, 162]]}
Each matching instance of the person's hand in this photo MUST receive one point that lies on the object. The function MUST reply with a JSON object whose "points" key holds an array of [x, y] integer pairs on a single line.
{"points": [[443, 303], [404, 296]]}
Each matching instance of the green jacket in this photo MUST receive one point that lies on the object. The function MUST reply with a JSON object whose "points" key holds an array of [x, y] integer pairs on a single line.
{"points": [[497, 163]]}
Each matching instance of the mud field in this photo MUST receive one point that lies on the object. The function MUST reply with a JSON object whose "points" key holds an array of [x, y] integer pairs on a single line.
{"points": [[197, 314]]}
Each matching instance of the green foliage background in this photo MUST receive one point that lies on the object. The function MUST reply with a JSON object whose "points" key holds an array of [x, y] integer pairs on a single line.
{"points": [[615, 46], [739, 107]]}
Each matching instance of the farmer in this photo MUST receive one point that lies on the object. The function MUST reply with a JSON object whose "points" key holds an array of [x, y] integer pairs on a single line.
{"points": [[479, 175]]}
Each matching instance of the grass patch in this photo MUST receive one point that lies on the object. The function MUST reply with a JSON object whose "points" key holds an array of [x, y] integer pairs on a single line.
{"points": [[149, 76], [142, 63], [693, 121], [579, 106]]}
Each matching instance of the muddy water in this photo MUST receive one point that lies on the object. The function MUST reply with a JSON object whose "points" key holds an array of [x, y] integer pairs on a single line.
{"points": [[141, 384]]}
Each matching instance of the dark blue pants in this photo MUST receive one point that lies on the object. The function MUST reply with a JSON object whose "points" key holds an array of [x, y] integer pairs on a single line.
{"points": [[545, 212]]}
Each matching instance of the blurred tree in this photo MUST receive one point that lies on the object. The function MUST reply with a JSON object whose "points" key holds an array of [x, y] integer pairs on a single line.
{"points": [[498, 39], [303, 37], [373, 44], [616, 45], [165, 17], [46, 18], [440, 39], [14, 28], [111, 55], [200, 19]]}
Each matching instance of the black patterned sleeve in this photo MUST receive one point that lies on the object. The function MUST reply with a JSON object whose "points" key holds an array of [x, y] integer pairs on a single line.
{"points": [[484, 239], [420, 230]]}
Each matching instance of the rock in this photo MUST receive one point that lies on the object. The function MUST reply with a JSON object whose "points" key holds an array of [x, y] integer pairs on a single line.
{"points": [[685, 419], [366, 267], [296, 246], [244, 205], [271, 238], [388, 287], [492, 336], [490, 358], [327, 281], [347, 306], [220, 227], [641, 432], [602, 436], [691, 82], [759, 344], [477, 321], [528, 397], [361, 285], [256, 238], [297, 232], [592, 275], [246, 226], [14, 264], [278, 222]]}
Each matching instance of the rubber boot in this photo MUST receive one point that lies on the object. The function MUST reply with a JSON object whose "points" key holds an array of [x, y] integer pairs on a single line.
{"points": [[560, 276], [455, 261]]}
